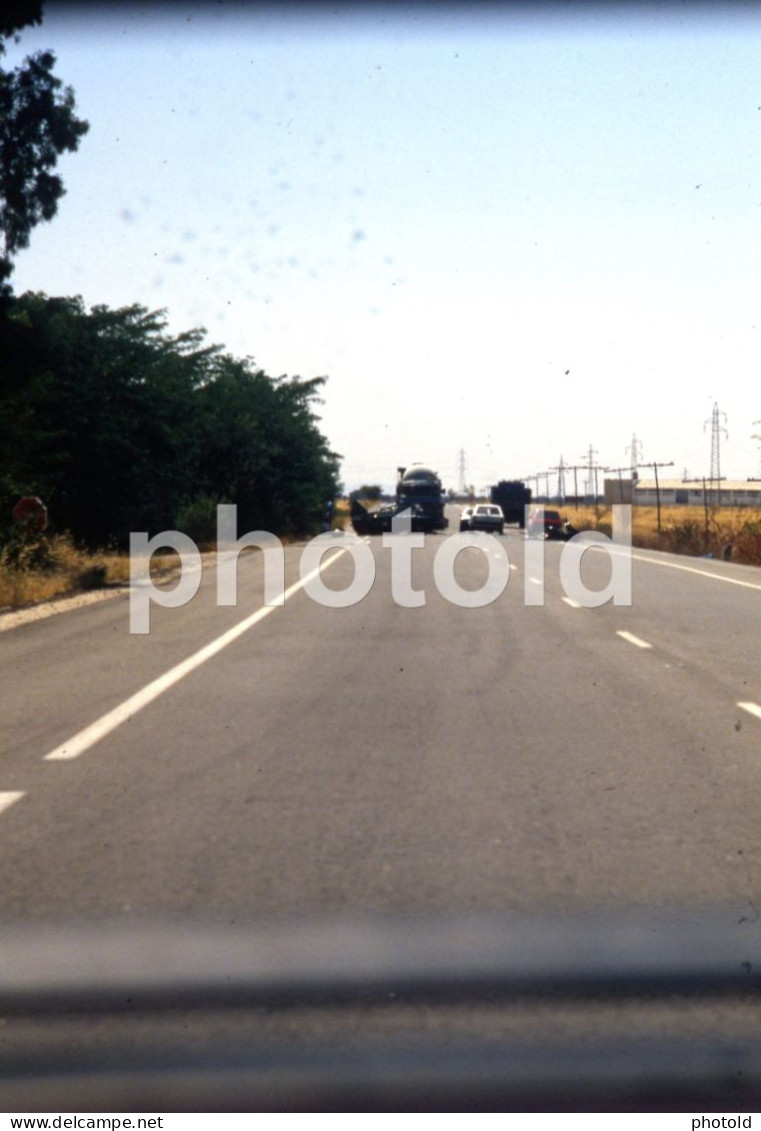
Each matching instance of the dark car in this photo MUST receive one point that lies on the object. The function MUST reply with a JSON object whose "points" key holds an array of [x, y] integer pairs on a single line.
{"points": [[380, 521]]}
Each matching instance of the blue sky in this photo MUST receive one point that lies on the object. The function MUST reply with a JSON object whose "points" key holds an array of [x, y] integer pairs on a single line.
{"points": [[510, 231]]}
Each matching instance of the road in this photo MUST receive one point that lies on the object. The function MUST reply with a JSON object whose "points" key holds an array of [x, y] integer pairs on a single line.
{"points": [[386, 759], [300, 765]]}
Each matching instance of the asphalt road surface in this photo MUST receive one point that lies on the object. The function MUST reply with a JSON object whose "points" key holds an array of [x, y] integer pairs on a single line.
{"points": [[381, 758], [165, 796]]}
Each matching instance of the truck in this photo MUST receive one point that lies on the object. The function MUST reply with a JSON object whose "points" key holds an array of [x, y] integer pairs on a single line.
{"points": [[513, 496], [419, 486], [419, 491]]}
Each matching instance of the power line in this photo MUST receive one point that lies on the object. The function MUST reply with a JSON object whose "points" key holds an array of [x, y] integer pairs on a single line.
{"points": [[716, 430], [635, 451], [592, 471], [461, 471], [655, 465], [560, 469], [575, 467]]}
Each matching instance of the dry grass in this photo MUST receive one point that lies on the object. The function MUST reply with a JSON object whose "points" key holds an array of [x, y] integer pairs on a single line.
{"points": [[341, 514], [45, 568], [42, 569], [684, 530]]}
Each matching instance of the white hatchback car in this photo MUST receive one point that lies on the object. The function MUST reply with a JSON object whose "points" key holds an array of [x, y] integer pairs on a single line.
{"points": [[483, 516]]}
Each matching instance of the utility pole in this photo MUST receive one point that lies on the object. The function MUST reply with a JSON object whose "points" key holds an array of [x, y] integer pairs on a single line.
{"points": [[592, 470], [635, 451], [461, 471], [560, 469], [655, 465], [575, 467], [716, 430]]}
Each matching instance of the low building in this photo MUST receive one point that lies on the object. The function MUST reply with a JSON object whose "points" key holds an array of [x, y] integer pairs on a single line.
{"points": [[617, 491], [696, 492]]}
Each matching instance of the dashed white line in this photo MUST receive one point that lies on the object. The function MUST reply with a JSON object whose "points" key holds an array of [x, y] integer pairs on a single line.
{"points": [[632, 639], [751, 708], [8, 798], [113, 719]]}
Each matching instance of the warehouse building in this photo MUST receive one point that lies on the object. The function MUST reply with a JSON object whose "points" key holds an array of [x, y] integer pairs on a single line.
{"points": [[690, 492]]}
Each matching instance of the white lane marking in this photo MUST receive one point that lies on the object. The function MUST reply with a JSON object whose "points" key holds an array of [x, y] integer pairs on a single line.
{"points": [[632, 638], [113, 719], [7, 799], [571, 602], [751, 708], [536, 580], [676, 565]]}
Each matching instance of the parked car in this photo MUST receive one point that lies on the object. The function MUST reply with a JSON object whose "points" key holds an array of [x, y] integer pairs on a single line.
{"points": [[545, 523], [484, 516]]}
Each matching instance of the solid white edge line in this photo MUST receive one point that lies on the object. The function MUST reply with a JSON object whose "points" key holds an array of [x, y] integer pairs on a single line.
{"points": [[8, 797], [632, 638], [751, 708], [86, 738], [700, 572], [613, 548]]}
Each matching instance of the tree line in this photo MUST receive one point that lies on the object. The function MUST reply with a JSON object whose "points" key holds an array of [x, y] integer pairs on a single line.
{"points": [[118, 425], [114, 423]]}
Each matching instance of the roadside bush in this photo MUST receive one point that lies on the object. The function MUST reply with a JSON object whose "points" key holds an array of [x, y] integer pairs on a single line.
{"points": [[23, 549], [92, 578], [747, 544], [688, 537]]}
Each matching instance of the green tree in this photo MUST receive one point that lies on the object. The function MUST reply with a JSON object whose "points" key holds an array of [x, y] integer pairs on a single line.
{"points": [[259, 446], [18, 14], [96, 414], [37, 125], [119, 426]]}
